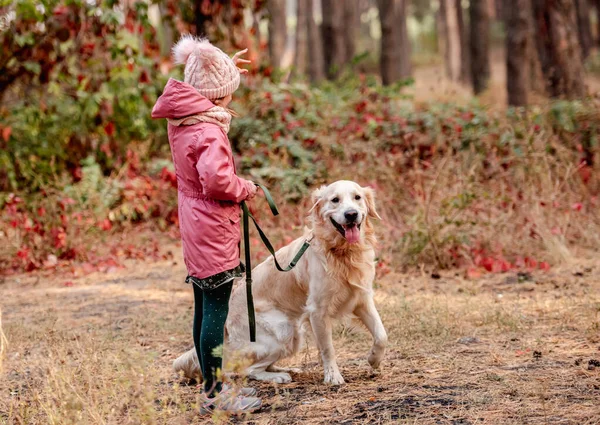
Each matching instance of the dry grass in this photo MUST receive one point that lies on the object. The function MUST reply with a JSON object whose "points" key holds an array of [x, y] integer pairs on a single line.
{"points": [[100, 352], [3, 342]]}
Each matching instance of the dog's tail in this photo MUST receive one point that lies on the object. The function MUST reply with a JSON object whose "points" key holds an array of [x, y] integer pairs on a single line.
{"points": [[188, 364]]}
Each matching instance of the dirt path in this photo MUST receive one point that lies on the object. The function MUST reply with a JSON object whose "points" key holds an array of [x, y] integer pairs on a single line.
{"points": [[506, 349]]}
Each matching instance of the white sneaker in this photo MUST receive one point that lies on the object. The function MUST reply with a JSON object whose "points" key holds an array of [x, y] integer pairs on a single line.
{"points": [[229, 402], [243, 391]]}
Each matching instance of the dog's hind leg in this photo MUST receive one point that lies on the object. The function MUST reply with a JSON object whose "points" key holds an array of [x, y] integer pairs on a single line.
{"points": [[262, 370], [296, 341], [273, 368]]}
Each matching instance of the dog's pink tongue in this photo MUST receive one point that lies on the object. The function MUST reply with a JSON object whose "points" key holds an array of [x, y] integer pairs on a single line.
{"points": [[352, 234]]}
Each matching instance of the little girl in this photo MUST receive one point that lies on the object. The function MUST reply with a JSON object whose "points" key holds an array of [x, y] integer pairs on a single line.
{"points": [[209, 193]]}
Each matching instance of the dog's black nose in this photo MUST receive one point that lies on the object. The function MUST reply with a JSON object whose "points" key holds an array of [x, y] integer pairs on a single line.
{"points": [[351, 216]]}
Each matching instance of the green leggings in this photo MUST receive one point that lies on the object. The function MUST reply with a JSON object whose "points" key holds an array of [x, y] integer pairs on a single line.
{"points": [[210, 312]]}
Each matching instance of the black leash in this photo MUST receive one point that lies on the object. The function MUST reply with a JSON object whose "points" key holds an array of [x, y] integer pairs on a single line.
{"points": [[246, 220]]}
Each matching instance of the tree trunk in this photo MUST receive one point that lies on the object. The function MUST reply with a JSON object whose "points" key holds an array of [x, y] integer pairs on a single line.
{"points": [[479, 44], [165, 35], [597, 4], [536, 76], [316, 66], [451, 35], [558, 47], [202, 17], [500, 10], [463, 32], [351, 28], [517, 38], [277, 31], [395, 45], [584, 27], [403, 39], [301, 55], [333, 37]]}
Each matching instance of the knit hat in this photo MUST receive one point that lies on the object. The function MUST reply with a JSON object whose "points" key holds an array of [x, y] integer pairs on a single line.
{"points": [[207, 68]]}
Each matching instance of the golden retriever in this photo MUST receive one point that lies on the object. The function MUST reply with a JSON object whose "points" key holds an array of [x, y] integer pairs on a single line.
{"points": [[334, 279]]}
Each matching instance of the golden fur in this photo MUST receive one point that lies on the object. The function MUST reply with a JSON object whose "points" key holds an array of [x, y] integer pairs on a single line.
{"points": [[332, 280]]}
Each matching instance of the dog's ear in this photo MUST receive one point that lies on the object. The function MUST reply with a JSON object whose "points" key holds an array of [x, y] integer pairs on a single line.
{"points": [[370, 200], [317, 198]]}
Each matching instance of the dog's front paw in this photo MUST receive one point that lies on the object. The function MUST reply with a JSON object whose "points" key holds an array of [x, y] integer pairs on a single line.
{"points": [[374, 360], [376, 356], [333, 376], [282, 378]]}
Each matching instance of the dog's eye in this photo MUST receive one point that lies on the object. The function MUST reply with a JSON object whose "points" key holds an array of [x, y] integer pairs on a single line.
{"points": [[335, 200], [357, 197]]}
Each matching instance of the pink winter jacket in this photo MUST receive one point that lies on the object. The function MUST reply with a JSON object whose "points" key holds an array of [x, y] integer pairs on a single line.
{"points": [[209, 189]]}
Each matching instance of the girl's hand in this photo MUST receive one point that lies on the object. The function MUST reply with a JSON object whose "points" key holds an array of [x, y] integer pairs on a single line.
{"points": [[236, 59], [252, 192]]}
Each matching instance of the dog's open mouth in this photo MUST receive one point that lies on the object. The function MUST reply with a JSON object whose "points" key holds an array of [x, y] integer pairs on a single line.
{"points": [[349, 231]]}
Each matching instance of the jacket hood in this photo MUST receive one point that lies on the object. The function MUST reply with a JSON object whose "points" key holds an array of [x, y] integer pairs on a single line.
{"points": [[180, 100]]}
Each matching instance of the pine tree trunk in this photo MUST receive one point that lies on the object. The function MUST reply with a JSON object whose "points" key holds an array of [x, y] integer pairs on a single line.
{"points": [[202, 18], [463, 32], [517, 38], [584, 26], [403, 39], [597, 7], [277, 31], [479, 44], [558, 47], [301, 55], [333, 37], [395, 45], [451, 35], [351, 28], [500, 10], [316, 66]]}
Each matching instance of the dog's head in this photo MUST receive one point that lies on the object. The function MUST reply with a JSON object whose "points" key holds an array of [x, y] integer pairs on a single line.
{"points": [[342, 209]]}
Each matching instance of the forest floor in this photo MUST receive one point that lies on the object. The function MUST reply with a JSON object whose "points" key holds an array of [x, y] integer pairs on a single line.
{"points": [[503, 349]]}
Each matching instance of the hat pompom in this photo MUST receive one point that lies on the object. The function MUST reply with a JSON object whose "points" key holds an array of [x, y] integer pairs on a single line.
{"points": [[184, 48]]}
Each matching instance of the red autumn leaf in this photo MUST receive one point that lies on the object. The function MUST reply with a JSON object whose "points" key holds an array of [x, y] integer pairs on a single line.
{"points": [[586, 173], [488, 263], [23, 253], [144, 78], [69, 283], [60, 238], [105, 225], [531, 263], [77, 174], [6, 132], [41, 211], [109, 128], [577, 206], [544, 266], [69, 254]]}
